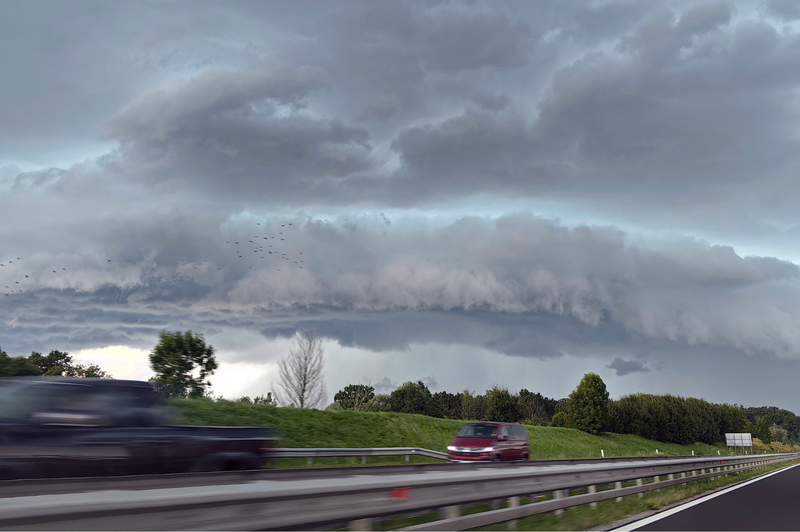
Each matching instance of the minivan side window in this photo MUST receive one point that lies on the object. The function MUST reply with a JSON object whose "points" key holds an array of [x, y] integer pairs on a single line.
{"points": [[523, 433]]}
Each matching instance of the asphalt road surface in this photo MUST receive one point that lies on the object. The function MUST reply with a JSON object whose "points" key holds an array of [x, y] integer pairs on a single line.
{"points": [[769, 504]]}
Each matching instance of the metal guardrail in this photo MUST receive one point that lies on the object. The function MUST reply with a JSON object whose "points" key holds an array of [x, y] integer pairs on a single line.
{"points": [[332, 452], [358, 499]]}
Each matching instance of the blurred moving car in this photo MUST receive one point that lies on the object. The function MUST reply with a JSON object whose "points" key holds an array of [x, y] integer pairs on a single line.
{"points": [[490, 441], [67, 427]]}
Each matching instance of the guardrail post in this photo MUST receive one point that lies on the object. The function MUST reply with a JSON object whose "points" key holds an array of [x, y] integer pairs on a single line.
{"points": [[449, 512], [363, 460], [656, 480], [671, 476], [618, 486], [361, 524], [640, 482], [513, 502], [683, 475], [559, 494], [593, 505], [310, 461], [407, 458]]}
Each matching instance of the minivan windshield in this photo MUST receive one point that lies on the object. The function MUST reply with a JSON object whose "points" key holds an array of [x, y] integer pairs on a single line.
{"points": [[478, 430]]}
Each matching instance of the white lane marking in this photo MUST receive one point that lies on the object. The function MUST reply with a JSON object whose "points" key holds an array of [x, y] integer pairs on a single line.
{"points": [[672, 511]]}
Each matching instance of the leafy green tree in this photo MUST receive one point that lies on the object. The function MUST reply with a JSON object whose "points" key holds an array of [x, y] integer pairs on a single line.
{"points": [[86, 371], [379, 403], [776, 416], [535, 405], [411, 398], [54, 364], [761, 431], [447, 405], [16, 366], [559, 420], [587, 405], [779, 434], [473, 407], [182, 362], [502, 406], [354, 396]]}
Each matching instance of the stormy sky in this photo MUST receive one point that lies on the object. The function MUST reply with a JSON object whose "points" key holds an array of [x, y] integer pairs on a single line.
{"points": [[465, 193]]}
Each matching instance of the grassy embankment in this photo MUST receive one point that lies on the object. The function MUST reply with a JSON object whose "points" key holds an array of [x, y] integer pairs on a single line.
{"points": [[314, 428]]}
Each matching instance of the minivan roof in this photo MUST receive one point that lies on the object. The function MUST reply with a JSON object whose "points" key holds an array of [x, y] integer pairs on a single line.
{"points": [[491, 423]]}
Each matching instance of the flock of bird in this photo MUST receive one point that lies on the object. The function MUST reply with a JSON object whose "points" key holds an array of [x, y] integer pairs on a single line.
{"points": [[272, 248], [15, 286], [265, 247]]}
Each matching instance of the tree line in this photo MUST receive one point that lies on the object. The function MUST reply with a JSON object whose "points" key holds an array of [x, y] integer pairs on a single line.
{"points": [[183, 362], [667, 418], [55, 363]]}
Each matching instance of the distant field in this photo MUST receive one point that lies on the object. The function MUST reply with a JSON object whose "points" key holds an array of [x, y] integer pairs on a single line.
{"points": [[314, 428]]}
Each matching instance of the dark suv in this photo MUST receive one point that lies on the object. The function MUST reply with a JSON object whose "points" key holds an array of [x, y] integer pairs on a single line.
{"points": [[490, 441]]}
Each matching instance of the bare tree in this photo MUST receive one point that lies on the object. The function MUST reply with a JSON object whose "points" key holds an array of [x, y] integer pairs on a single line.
{"points": [[300, 371]]}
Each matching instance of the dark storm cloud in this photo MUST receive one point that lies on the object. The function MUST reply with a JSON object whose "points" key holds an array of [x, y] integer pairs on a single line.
{"points": [[522, 285], [221, 129], [687, 100], [624, 367], [654, 101], [784, 9]]}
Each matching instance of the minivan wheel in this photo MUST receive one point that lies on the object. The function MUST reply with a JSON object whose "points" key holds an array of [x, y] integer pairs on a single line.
{"points": [[525, 457], [497, 458]]}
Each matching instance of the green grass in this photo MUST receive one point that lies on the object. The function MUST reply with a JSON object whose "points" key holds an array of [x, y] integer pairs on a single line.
{"points": [[315, 428]]}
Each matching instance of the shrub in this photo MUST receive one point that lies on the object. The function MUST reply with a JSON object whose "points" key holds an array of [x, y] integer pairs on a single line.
{"points": [[535, 422], [559, 420]]}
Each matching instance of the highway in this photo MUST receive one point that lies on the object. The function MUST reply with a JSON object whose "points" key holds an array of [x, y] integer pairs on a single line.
{"points": [[258, 500], [768, 503]]}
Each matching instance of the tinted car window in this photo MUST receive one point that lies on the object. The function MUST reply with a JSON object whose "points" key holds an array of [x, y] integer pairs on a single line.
{"points": [[478, 430]]}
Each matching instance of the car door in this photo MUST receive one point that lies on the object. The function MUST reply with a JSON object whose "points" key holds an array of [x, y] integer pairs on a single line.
{"points": [[521, 442], [505, 444]]}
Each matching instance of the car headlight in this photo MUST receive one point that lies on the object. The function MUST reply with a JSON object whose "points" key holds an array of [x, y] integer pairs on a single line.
{"points": [[451, 448], [487, 449]]}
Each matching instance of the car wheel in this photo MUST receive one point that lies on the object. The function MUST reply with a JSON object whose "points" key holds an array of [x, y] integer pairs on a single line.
{"points": [[525, 457], [497, 458]]}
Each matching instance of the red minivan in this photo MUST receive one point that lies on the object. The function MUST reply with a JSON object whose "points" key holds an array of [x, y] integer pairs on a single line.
{"points": [[490, 441]]}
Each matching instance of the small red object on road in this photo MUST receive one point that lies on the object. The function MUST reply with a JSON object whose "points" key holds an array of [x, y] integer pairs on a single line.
{"points": [[401, 494]]}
